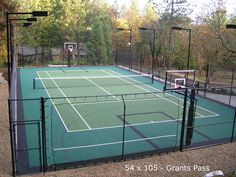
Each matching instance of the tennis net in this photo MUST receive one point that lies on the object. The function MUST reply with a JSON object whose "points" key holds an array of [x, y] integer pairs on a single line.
{"points": [[70, 82]]}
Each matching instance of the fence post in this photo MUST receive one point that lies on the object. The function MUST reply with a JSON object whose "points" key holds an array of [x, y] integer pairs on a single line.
{"points": [[11, 139], [140, 61], [116, 56], [123, 140], [44, 148], [183, 120], [207, 79], [231, 86], [232, 137], [191, 118]]}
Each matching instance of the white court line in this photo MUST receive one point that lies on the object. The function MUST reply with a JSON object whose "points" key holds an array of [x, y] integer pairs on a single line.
{"points": [[102, 89], [137, 86], [112, 143], [167, 94], [145, 89], [208, 111], [130, 125], [69, 102], [88, 77], [72, 70], [53, 104], [136, 124], [127, 81]]}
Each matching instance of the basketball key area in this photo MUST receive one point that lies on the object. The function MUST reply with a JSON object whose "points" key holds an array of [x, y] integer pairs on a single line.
{"points": [[107, 112]]}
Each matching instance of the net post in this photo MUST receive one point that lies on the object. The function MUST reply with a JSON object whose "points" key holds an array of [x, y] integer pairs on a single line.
{"points": [[44, 156], [33, 83], [232, 136], [183, 120], [152, 78], [11, 140], [123, 138]]}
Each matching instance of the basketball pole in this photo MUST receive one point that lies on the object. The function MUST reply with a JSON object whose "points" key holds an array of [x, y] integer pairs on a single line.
{"points": [[68, 58]]}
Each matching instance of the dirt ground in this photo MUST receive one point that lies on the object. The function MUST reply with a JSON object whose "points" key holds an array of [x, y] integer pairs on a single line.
{"points": [[189, 163]]}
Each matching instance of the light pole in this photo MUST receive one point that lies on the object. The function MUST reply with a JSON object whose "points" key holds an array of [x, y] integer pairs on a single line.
{"points": [[26, 24], [10, 48], [153, 45], [231, 26], [189, 40], [130, 46], [8, 24]]}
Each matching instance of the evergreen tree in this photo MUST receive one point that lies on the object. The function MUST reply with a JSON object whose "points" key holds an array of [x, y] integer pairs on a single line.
{"points": [[108, 39], [96, 46]]}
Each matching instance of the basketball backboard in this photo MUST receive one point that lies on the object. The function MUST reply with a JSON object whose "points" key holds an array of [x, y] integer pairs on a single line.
{"points": [[179, 79], [70, 46]]}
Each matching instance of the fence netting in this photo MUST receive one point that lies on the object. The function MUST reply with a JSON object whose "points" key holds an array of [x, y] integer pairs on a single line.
{"points": [[60, 132], [54, 133]]}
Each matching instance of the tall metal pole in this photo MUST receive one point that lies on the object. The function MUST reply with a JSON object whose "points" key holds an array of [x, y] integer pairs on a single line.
{"points": [[44, 146], [11, 139], [153, 49], [116, 56], [8, 52], [231, 88], [124, 121], [11, 43], [232, 136], [170, 33], [130, 46], [207, 79], [189, 48], [183, 120], [130, 49]]}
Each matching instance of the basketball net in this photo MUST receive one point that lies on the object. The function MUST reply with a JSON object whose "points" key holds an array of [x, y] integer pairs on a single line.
{"points": [[70, 50]]}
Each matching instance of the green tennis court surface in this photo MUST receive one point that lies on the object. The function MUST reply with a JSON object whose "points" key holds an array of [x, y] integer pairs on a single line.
{"points": [[103, 112]]}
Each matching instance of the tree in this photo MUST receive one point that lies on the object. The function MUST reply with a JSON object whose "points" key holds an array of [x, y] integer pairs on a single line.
{"points": [[96, 47], [107, 39], [150, 15], [133, 17], [223, 52], [172, 13], [5, 5]]}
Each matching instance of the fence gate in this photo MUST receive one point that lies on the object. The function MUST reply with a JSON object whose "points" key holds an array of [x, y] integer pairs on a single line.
{"points": [[28, 150]]}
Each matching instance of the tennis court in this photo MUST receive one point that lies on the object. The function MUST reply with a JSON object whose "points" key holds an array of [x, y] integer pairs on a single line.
{"points": [[94, 113]]}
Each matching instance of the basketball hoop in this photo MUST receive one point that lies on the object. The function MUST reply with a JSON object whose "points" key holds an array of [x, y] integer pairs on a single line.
{"points": [[179, 79], [70, 48]]}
